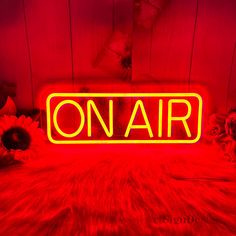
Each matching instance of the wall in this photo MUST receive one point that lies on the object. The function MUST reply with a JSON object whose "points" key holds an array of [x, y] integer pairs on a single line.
{"points": [[76, 42]]}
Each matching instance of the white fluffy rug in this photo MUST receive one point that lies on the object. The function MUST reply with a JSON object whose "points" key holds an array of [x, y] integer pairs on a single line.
{"points": [[120, 190]]}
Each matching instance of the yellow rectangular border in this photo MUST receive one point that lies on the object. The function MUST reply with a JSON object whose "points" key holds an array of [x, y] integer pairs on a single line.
{"points": [[123, 95]]}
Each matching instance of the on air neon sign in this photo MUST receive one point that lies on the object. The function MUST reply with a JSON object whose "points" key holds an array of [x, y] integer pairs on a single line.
{"points": [[99, 118]]}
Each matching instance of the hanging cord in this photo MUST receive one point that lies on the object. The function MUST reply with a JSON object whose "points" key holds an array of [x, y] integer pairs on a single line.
{"points": [[29, 53], [230, 77], [71, 45], [193, 45]]}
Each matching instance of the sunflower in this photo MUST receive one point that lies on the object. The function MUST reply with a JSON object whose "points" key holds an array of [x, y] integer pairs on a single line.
{"points": [[20, 138]]}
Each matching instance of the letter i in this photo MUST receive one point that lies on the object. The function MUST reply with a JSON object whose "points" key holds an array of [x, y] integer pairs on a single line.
{"points": [[160, 118]]}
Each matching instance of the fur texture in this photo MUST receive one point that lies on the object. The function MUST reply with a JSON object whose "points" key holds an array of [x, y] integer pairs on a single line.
{"points": [[120, 190]]}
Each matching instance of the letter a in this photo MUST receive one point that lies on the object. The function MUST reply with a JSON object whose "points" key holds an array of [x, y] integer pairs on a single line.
{"points": [[147, 126]]}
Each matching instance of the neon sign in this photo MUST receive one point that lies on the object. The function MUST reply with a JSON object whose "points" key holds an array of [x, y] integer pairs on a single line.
{"points": [[99, 118]]}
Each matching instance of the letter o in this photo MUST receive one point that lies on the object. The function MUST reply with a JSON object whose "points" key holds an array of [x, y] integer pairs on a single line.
{"points": [[58, 107]]}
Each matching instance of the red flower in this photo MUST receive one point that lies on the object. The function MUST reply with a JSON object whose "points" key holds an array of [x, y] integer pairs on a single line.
{"points": [[215, 129]]}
